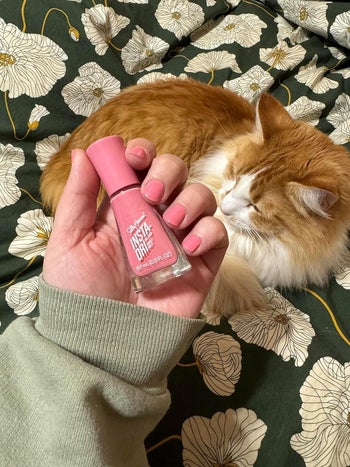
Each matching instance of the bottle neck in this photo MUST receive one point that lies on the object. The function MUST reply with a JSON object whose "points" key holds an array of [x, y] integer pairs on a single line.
{"points": [[125, 188]]}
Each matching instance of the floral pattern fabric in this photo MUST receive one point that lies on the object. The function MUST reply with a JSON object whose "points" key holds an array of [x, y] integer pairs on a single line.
{"points": [[269, 388]]}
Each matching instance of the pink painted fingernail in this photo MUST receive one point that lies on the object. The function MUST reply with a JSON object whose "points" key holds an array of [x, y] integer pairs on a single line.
{"points": [[191, 243], [138, 151], [154, 191], [175, 215]]}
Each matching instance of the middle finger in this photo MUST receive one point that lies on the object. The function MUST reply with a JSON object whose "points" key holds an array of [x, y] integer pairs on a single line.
{"points": [[193, 202]]}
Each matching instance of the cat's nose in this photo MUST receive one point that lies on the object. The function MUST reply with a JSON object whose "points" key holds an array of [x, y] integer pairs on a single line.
{"points": [[225, 208], [230, 205]]}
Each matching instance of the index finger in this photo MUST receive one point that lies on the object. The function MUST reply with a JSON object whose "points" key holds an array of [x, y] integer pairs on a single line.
{"points": [[140, 152]]}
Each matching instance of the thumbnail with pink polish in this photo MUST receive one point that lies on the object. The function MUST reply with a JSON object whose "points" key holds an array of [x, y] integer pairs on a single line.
{"points": [[139, 152], [152, 252]]}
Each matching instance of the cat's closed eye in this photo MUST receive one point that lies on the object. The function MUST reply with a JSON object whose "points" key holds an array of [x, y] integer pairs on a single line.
{"points": [[233, 204], [252, 205]]}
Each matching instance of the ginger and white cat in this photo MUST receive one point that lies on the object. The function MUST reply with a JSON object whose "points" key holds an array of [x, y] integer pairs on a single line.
{"points": [[281, 185]]}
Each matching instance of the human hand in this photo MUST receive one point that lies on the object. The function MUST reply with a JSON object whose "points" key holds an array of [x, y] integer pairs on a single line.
{"points": [[84, 254]]}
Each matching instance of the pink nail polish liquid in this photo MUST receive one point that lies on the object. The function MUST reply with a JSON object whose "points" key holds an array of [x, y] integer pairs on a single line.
{"points": [[152, 251]]}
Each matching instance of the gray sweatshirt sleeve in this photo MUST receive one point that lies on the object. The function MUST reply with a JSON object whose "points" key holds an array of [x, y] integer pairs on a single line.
{"points": [[85, 383]]}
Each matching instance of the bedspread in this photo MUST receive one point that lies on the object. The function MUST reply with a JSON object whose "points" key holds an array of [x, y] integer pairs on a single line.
{"points": [[269, 388]]}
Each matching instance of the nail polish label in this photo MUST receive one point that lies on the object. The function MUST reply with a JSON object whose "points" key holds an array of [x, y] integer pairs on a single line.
{"points": [[141, 237], [146, 243]]}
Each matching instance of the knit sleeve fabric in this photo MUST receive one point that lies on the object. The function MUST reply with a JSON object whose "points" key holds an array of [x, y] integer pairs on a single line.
{"points": [[87, 381]]}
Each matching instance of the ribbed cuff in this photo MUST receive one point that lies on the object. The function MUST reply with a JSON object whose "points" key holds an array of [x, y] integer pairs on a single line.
{"points": [[137, 344]]}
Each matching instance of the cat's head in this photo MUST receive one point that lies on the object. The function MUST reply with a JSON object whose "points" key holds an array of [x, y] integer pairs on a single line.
{"points": [[285, 187]]}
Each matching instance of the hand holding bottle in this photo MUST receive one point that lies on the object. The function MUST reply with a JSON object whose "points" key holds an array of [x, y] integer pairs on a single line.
{"points": [[84, 252]]}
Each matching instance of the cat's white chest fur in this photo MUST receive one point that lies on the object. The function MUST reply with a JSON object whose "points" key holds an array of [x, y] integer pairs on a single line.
{"points": [[267, 257]]}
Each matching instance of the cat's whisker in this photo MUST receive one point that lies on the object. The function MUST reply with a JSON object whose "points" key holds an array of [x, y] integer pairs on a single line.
{"points": [[198, 180], [257, 235], [252, 233], [273, 190], [228, 135]]}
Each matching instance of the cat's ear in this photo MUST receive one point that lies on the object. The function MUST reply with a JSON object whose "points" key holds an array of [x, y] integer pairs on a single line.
{"points": [[271, 116], [310, 198]]}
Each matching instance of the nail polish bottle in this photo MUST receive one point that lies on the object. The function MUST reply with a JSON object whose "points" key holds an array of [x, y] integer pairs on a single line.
{"points": [[152, 251]]}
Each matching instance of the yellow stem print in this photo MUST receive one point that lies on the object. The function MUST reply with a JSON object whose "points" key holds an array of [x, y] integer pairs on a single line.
{"points": [[331, 314], [9, 113], [212, 71], [259, 6], [11, 120], [178, 55], [24, 27], [333, 68], [187, 365], [113, 46], [288, 92], [163, 441], [47, 15], [30, 262], [31, 196]]}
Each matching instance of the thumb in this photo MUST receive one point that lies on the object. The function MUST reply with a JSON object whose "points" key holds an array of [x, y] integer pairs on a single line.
{"points": [[76, 209]]}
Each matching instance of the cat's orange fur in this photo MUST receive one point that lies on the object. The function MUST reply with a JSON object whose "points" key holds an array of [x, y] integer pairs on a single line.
{"points": [[282, 185]]}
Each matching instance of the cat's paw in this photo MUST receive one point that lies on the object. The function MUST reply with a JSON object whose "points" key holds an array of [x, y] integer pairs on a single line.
{"points": [[248, 297], [236, 289]]}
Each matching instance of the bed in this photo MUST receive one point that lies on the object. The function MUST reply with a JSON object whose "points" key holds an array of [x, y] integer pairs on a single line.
{"points": [[267, 388]]}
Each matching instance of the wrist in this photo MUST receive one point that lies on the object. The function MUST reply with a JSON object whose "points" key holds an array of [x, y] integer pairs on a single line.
{"points": [[138, 344]]}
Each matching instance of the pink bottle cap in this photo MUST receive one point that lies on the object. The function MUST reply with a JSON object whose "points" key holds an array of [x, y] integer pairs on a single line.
{"points": [[107, 155]]}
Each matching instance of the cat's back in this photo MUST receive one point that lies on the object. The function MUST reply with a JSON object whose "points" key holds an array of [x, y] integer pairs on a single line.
{"points": [[181, 116]]}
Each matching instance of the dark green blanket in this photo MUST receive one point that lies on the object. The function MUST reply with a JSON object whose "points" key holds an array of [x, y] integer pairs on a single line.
{"points": [[272, 388]]}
